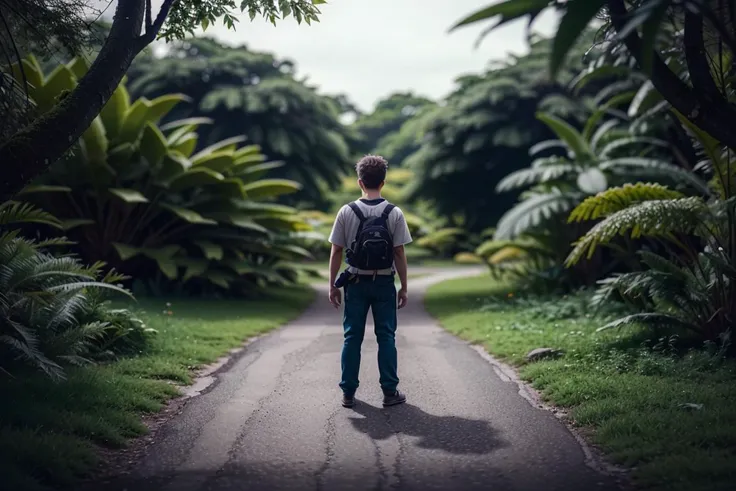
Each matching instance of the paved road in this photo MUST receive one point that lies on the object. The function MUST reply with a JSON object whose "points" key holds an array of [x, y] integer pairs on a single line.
{"points": [[274, 422]]}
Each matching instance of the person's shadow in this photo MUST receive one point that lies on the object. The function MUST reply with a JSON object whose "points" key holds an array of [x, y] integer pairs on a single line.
{"points": [[452, 434]]}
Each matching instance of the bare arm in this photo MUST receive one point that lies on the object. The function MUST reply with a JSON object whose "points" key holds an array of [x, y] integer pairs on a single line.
{"points": [[401, 268], [401, 265], [335, 261]]}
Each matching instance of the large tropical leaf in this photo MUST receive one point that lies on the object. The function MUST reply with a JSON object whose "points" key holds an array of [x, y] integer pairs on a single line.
{"points": [[533, 211], [567, 133], [270, 188], [531, 175]]}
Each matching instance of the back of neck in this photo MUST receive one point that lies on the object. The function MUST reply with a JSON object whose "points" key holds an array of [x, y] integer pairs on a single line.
{"points": [[371, 195]]}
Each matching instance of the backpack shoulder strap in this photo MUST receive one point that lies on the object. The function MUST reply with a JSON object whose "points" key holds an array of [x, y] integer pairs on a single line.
{"points": [[387, 211], [358, 212]]}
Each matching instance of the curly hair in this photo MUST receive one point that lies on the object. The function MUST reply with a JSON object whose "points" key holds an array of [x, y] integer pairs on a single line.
{"points": [[372, 170]]}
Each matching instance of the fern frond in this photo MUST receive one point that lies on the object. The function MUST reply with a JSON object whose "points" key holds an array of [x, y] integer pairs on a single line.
{"points": [[619, 198], [656, 218], [662, 264], [17, 212]]}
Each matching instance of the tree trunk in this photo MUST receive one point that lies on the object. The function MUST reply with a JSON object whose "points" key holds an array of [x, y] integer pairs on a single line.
{"points": [[34, 148]]}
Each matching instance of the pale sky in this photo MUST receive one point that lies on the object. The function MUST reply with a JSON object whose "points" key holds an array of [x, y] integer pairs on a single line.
{"points": [[368, 49]]}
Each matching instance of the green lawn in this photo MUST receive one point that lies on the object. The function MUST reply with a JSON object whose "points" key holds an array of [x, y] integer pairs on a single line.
{"points": [[50, 433], [634, 400]]}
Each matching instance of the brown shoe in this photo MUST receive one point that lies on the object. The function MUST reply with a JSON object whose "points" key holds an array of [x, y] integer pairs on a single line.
{"points": [[348, 400], [394, 399]]}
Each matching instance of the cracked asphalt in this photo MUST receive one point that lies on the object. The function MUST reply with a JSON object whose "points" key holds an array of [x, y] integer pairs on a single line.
{"points": [[273, 420]]}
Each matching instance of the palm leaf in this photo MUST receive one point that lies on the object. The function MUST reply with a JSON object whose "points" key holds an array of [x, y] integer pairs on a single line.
{"points": [[533, 211], [531, 175]]}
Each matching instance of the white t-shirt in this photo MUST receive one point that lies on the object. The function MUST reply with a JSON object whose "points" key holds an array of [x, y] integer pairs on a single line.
{"points": [[347, 223]]}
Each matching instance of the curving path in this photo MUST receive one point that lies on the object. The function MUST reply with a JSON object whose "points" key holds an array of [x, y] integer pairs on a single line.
{"points": [[273, 420]]}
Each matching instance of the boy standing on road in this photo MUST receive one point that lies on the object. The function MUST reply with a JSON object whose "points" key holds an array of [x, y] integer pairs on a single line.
{"points": [[373, 233]]}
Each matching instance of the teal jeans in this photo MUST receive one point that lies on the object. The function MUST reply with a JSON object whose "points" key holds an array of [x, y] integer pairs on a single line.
{"points": [[379, 295]]}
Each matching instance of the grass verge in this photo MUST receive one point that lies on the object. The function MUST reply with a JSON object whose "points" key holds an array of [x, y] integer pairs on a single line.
{"points": [[669, 416], [50, 432]]}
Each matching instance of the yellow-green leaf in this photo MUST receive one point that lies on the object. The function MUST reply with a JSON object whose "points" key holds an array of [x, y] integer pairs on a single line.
{"points": [[269, 188], [188, 215], [129, 195]]}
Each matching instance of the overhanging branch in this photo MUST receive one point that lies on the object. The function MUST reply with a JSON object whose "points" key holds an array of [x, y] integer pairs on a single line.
{"points": [[697, 63], [717, 119], [152, 31]]}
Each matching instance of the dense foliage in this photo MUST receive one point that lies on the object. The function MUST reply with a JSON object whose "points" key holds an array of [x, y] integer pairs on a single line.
{"points": [[482, 132], [138, 196], [678, 231], [256, 95], [379, 128], [53, 308]]}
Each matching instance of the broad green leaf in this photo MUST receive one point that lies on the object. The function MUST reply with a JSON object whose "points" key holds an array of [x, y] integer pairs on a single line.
{"points": [[210, 249], [134, 120], [119, 157], [219, 278], [229, 144], [604, 110], [217, 161], [26, 72], [186, 144], [76, 222], [196, 176], [79, 67], [129, 195], [44, 188], [125, 251], [168, 268], [592, 181], [248, 150], [597, 73], [94, 144], [288, 223], [508, 11], [240, 220], [187, 122], [232, 187], [153, 145], [265, 210], [160, 106], [187, 215], [566, 133], [113, 112], [710, 145], [578, 15], [174, 164], [59, 81], [255, 172], [269, 188], [165, 252], [644, 99], [194, 268]]}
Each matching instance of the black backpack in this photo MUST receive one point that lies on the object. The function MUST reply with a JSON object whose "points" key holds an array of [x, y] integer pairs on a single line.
{"points": [[373, 247]]}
